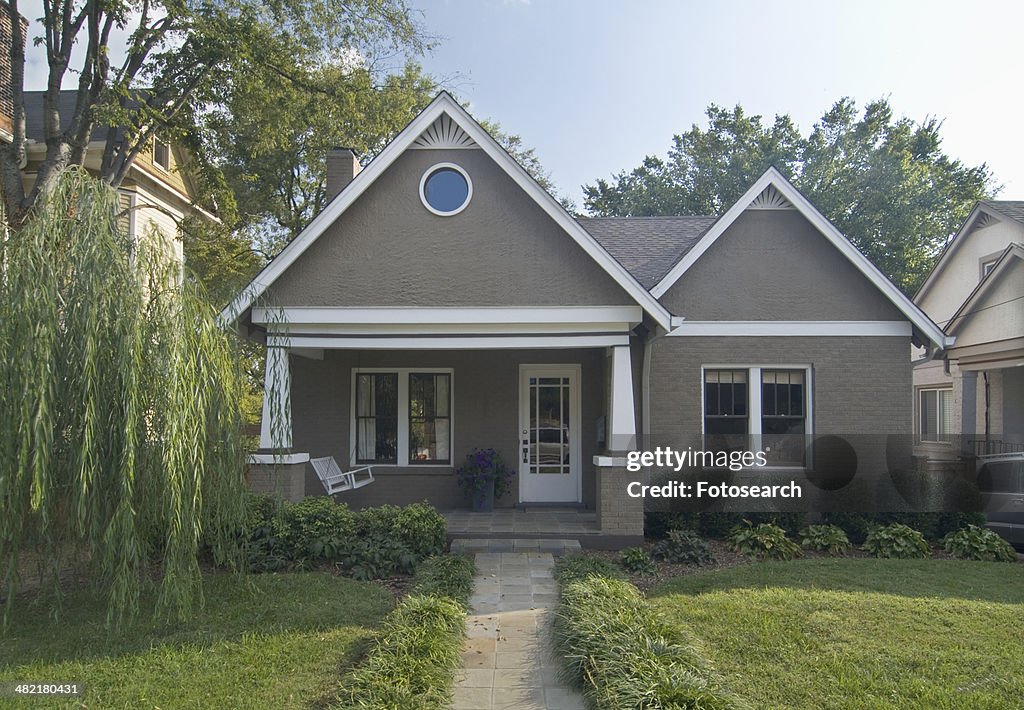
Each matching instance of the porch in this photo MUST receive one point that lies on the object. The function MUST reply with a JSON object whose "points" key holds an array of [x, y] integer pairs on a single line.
{"points": [[551, 390]]}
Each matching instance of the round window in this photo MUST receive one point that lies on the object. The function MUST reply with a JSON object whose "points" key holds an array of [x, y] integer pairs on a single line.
{"points": [[446, 189]]}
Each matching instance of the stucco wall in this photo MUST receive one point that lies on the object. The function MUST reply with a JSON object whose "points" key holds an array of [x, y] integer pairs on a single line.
{"points": [[775, 265], [388, 250], [485, 414], [999, 314]]}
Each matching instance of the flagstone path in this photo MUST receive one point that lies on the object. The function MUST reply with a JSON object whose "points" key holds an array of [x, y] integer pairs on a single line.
{"points": [[507, 660]]}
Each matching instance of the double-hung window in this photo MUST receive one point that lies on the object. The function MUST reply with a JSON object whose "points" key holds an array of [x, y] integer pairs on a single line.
{"points": [[935, 412], [402, 417], [767, 408]]}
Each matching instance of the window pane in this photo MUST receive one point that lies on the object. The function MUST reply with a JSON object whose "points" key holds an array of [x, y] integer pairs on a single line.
{"points": [[929, 428], [377, 418], [782, 416], [429, 424], [945, 423]]}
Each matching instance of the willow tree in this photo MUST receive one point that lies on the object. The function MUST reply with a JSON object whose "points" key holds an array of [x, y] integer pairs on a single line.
{"points": [[120, 428]]}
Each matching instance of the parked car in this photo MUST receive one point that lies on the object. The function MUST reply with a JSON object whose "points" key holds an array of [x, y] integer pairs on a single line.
{"points": [[1001, 483]]}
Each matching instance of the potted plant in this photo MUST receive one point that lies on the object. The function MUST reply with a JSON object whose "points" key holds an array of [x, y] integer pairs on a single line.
{"points": [[485, 477]]}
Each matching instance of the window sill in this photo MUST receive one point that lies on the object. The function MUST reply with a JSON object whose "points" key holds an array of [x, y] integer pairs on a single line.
{"points": [[390, 469]]}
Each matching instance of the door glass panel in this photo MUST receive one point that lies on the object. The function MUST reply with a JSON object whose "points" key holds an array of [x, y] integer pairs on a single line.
{"points": [[549, 425]]}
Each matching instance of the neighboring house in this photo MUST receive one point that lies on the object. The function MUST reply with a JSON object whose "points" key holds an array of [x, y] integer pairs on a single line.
{"points": [[157, 194], [443, 301], [971, 402]]}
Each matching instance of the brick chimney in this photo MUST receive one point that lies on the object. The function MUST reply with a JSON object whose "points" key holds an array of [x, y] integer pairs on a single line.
{"points": [[6, 95], [342, 166]]}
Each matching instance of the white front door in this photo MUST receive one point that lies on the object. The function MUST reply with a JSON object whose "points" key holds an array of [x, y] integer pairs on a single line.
{"points": [[549, 440]]}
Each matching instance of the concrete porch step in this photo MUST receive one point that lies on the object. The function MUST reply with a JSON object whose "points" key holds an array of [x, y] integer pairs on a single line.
{"points": [[556, 546]]}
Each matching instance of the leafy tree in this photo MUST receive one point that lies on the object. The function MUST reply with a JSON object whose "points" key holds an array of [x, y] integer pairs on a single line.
{"points": [[180, 56], [120, 407], [272, 135], [884, 182]]}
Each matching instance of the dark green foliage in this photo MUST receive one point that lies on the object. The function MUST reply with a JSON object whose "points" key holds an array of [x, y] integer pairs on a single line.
{"points": [[974, 543], [414, 661], [367, 544], [658, 524], [718, 525], [765, 541], [624, 655], [896, 540], [827, 538], [636, 560], [576, 567], [446, 576], [683, 546], [934, 526]]}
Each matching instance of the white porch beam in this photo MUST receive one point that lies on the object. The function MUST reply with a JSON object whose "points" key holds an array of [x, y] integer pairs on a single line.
{"points": [[622, 419], [276, 423], [446, 342], [420, 316]]}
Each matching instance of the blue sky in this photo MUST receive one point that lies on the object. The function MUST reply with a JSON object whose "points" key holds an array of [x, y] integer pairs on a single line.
{"points": [[595, 85]]}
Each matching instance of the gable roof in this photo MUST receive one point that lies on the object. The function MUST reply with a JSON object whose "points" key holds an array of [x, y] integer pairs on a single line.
{"points": [[1014, 209], [647, 246], [985, 210], [443, 104], [966, 309], [779, 190]]}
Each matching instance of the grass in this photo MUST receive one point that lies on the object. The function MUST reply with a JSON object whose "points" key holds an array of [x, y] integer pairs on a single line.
{"points": [[265, 641], [860, 633]]}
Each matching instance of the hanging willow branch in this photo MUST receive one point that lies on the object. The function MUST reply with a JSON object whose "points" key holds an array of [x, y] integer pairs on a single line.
{"points": [[120, 421]]}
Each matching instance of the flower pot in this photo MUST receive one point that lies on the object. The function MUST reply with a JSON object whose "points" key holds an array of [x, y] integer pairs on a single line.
{"points": [[483, 498]]}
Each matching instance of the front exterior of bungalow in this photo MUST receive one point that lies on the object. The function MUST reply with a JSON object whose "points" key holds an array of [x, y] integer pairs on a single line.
{"points": [[443, 302]]}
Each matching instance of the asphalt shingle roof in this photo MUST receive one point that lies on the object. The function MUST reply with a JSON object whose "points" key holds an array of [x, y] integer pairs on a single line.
{"points": [[1014, 209], [647, 246]]}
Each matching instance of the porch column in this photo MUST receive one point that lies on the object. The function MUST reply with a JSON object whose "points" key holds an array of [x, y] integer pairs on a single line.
{"points": [[968, 410], [622, 415], [276, 424]]}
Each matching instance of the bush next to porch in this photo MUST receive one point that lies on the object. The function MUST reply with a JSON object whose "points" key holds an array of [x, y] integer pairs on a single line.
{"points": [[369, 543], [417, 653]]}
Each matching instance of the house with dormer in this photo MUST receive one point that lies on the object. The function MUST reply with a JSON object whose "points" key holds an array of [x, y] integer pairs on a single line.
{"points": [[444, 302]]}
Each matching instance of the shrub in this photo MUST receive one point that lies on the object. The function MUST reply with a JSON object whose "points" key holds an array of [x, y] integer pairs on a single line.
{"points": [[577, 567], [975, 543], [829, 538], [422, 529], [414, 661], [718, 525], [625, 655], [683, 546], [658, 524], [446, 576], [636, 560], [313, 519], [766, 541], [933, 526], [896, 540]]}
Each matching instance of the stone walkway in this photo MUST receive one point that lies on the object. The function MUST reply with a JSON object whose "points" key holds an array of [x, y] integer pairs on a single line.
{"points": [[507, 662]]}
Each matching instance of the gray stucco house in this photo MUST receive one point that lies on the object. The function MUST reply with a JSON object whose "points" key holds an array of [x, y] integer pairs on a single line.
{"points": [[443, 301]]}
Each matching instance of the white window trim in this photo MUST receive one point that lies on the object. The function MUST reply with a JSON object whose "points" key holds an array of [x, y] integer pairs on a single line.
{"points": [[754, 401], [403, 415], [441, 166], [917, 415]]}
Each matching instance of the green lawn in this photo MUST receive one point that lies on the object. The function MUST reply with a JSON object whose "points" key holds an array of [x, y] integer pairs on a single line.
{"points": [[861, 633], [268, 641]]}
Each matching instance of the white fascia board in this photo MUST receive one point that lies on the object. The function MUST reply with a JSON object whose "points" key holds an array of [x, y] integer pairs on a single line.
{"points": [[446, 342], [444, 103], [773, 177], [951, 247], [448, 329], [1002, 264], [555, 210], [438, 316], [804, 328]]}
